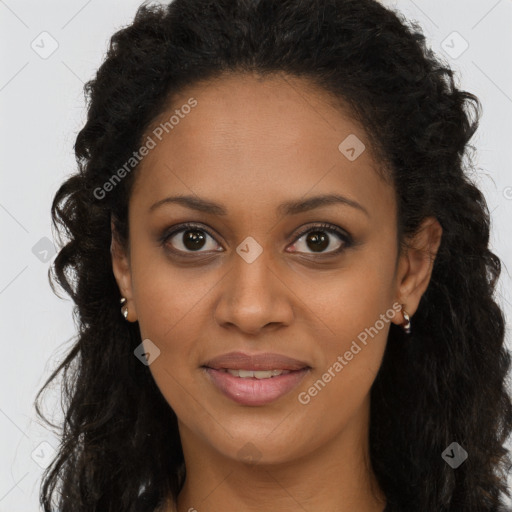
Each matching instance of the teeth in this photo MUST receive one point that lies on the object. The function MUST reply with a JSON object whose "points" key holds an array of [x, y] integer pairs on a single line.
{"points": [[263, 374]]}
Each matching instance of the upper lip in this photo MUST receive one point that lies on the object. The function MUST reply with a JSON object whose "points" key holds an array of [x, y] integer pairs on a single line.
{"points": [[261, 361]]}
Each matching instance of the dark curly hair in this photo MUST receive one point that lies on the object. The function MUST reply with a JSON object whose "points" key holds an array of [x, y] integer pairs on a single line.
{"points": [[445, 382]]}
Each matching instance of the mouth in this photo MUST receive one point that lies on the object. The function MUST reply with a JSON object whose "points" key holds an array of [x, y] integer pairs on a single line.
{"points": [[256, 374], [257, 379], [256, 363], [254, 388]]}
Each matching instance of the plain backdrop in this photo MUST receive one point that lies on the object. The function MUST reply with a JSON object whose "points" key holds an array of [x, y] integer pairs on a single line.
{"points": [[49, 49]]}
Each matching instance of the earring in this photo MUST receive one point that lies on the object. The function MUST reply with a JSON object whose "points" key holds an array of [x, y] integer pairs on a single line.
{"points": [[406, 325], [124, 309]]}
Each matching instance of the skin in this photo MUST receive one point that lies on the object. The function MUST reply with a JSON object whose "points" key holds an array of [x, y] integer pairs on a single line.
{"points": [[251, 144]]}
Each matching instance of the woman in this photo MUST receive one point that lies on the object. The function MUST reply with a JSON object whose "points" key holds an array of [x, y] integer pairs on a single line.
{"points": [[281, 271]]}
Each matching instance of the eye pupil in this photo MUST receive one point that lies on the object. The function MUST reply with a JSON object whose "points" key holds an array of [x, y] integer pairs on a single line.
{"points": [[193, 239], [319, 239]]}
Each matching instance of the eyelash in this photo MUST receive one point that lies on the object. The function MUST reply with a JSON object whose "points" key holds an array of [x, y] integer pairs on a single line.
{"points": [[346, 239]]}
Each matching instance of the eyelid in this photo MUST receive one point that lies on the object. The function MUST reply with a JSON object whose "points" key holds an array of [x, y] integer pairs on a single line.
{"points": [[183, 227], [322, 226]]}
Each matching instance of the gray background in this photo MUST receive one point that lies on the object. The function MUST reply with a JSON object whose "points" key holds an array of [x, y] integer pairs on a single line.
{"points": [[42, 109]]}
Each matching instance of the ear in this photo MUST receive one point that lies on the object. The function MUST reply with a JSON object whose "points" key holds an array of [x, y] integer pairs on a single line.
{"points": [[122, 272], [416, 263]]}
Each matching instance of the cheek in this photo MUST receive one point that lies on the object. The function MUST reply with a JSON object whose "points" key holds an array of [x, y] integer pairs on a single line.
{"points": [[357, 309], [168, 297], [350, 300], [358, 328], [170, 313], [351, 358]]}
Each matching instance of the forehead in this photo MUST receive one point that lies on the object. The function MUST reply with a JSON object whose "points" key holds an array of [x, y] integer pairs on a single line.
{"points": [[255, 141]]}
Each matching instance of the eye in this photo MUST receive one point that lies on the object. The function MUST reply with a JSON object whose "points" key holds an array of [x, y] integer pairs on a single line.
{"points": [[193, 239], [319, 238]]}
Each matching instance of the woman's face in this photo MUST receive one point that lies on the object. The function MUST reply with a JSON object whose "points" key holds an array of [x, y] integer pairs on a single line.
{"points": [[243, 279]]}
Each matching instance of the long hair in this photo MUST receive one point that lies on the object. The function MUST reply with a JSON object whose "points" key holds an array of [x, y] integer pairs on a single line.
{"points": [[446, 382]]}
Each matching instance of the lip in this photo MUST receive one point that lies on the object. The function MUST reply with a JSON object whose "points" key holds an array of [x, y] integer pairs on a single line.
{"points": [[252, 391], [261, 361]]}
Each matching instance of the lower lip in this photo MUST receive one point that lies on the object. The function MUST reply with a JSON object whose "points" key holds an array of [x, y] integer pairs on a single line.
{"points": [[252, 391]]}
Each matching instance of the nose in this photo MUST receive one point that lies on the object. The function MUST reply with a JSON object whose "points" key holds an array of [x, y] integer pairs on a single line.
{"points": [[253, 297]]}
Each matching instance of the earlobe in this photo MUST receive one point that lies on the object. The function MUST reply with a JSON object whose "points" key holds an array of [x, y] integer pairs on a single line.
{"points": [[417, 263], [122, 274]]}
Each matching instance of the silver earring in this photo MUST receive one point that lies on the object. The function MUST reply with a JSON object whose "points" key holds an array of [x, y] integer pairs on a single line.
{"points": [[406, 325], [124, 309]]}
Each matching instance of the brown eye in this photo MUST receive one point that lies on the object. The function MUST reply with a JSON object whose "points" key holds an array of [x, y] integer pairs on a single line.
{"points": [[193, 239], [190, 239], [319, 239]]}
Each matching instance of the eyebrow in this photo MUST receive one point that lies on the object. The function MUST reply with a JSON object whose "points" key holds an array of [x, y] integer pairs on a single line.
{"points": [[286, 208]]}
